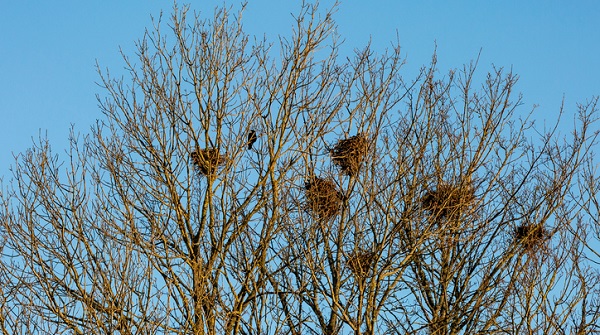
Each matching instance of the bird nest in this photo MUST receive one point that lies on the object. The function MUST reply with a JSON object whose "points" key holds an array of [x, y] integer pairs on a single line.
{"points": [[323, 198], [349, 153], [448, 199], [531, 236], [207, 160], [360, 263]]}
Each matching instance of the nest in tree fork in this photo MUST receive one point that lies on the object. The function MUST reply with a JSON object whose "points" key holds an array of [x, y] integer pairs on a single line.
{"points": [[323, 198], [531, 236], [448, 199], [207, 160], [349, 153], [360, 263]]}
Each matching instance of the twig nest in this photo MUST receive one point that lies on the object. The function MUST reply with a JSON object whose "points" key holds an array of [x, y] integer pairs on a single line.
{"points": [[360, 263], [350, 153], [449, 199], [207, 160], [323, 198], [531, 236]]}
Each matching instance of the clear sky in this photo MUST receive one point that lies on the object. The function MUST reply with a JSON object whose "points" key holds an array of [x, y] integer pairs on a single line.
{"points": [[48, 50]]}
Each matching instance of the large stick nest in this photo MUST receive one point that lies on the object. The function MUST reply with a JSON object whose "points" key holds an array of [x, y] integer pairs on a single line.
{"points": [[531, 236], [448, 199], [323, 198], [207, 160], [350, 153], [360, 263]]}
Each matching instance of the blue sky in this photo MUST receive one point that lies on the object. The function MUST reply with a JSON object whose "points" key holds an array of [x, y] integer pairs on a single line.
{"points": [[48, 50]]}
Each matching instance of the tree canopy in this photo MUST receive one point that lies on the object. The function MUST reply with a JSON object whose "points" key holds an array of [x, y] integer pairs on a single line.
{"points": [[236, 185]]}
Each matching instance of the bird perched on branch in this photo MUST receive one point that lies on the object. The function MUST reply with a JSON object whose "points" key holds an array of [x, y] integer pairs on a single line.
{"points": [[251, 139]]}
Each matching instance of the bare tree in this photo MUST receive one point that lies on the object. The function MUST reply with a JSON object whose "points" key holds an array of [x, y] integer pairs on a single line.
{"points": [[228, 190]]}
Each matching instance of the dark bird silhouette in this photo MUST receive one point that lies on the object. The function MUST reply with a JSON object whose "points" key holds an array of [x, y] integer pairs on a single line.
{"points": [[251, 139]]}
